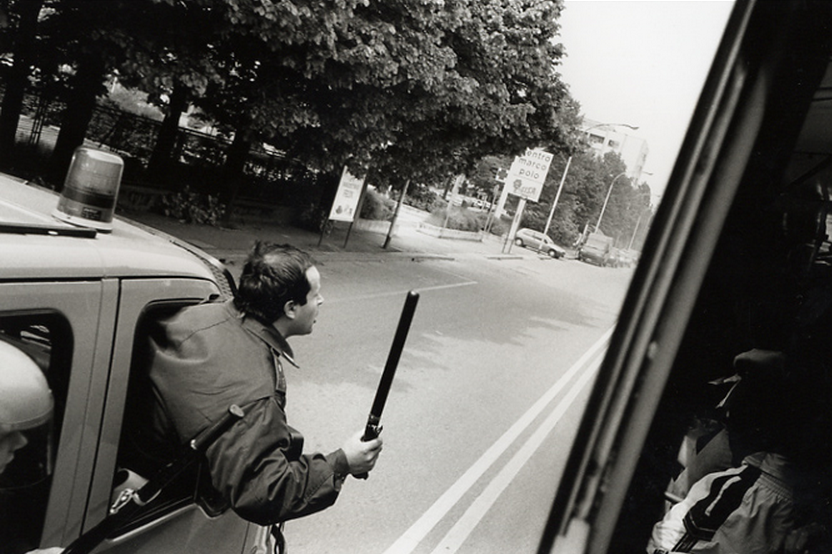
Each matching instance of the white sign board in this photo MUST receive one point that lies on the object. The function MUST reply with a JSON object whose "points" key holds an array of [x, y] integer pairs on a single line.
{"points": [[346, 199], [528, 173]]}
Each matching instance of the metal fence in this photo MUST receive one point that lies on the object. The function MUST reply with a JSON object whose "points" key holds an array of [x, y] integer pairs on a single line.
{"points": [[269, 177]]}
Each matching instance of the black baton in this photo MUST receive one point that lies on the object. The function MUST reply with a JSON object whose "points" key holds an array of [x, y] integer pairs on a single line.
{"points": [[373, 427]]}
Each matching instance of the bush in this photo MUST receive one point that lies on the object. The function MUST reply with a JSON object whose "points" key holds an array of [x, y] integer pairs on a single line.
{"points": [[461, 219], [499, 227], [423, 198], [193, 207], [314, 218], [377, 207]]}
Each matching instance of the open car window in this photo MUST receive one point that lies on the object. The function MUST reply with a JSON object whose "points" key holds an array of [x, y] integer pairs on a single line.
{"points": [[142, 454]]}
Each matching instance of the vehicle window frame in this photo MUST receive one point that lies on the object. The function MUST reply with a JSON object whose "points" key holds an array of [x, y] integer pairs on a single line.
{"points": [[140, 298], [52, 352], [186, 490], [713, 162], [83, 304]]}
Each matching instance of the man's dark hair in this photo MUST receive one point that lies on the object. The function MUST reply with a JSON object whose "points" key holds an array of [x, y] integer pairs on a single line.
{"points": [[272, 275]]}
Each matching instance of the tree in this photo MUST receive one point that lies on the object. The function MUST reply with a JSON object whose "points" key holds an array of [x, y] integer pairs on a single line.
{"points": [[17, 77], [416, 88], [157, 45], [500, 96], [88, 40], [587, 183]]}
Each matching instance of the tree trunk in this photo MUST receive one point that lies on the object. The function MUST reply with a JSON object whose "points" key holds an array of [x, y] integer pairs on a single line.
{"points": [[166, 139], [235, 161], [396, 215], [79, 110], [18, 78]]}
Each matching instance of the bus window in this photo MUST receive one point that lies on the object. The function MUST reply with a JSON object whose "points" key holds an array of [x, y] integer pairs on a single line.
{"points": [[722, 361]]}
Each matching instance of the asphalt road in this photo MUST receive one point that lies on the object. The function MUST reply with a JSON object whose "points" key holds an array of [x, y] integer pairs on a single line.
{"points": [[486, 399]]}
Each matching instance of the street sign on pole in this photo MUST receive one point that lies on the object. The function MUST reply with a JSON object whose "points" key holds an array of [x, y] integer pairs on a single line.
{"points": [[346, 198], [528, 173]]}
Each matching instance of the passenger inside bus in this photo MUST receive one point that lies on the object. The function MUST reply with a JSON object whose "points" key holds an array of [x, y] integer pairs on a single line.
{"points": [[757, 502], [768, 287], [769, 297]]}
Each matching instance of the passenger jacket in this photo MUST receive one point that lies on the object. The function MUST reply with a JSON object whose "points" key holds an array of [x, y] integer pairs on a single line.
{"points": [[210, 356], [742, 510]]}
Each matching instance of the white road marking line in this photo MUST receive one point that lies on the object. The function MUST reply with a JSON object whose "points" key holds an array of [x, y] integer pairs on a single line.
{"points": [[399, 293], [419, 530], [454, 539], [451, 286]]}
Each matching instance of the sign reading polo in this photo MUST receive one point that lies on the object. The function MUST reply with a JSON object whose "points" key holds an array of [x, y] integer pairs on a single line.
{"points": [[528, 173]]}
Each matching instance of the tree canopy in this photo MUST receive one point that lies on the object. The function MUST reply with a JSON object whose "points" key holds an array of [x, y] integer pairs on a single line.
{"points": [[356, 81], [412, 90]]}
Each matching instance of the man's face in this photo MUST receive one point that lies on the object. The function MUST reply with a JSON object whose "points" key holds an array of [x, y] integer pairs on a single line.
{"points": [[9, 444], [306, 315]]}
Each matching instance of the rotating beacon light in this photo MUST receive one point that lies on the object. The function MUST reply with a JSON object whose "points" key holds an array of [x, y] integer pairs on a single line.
{"points": [[90, 189]]}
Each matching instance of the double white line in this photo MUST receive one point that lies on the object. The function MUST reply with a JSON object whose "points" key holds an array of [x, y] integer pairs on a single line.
{"points": [[587, 365]]}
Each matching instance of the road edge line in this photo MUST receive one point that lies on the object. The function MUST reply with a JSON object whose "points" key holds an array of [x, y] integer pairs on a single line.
{"points": [[411, 538]]}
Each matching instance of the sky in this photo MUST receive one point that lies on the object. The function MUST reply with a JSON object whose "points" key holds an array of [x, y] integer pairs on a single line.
{"points": [[643, 63]]}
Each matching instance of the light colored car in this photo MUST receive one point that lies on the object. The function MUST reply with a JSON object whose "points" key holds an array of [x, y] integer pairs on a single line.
{"points": [[80, 302], [535, 240]]}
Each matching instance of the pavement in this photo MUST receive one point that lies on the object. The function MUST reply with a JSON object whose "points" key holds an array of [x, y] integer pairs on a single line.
{"points": [[231, 244]]}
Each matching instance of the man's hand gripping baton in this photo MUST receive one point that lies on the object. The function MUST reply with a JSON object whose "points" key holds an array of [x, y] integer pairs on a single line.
{"points": [[373, 427]]}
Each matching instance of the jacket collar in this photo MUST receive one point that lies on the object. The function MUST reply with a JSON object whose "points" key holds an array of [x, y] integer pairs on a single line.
{"points": [[266, 333]]}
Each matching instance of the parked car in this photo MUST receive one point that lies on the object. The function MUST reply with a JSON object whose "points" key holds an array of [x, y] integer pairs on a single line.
{"points": [[79, 301], [535, 240], [616, 258]]}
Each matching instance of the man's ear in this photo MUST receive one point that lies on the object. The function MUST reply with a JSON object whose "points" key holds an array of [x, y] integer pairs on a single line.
{"points": [[289, 309]]}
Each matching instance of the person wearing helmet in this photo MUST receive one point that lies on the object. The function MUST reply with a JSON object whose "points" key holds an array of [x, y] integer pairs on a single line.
{"points": [[25, 401], [26, 406]]}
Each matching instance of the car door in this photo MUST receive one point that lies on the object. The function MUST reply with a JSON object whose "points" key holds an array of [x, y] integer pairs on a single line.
{"points": [[58, 323], [174, 522], [716, 272]]}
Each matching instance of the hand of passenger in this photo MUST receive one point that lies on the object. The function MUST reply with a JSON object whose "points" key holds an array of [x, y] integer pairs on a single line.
{"points": [[800, 540], [361, 456]]}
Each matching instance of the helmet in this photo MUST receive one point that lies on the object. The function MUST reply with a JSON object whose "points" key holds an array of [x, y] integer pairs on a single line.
{"points": [[25, 399], [26, 406]]}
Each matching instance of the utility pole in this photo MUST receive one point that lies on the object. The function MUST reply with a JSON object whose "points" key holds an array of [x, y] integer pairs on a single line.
{"points": [[557, 196]]}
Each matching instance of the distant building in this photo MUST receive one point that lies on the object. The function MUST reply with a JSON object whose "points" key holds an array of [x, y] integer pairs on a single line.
{"points": [[606, 137]]}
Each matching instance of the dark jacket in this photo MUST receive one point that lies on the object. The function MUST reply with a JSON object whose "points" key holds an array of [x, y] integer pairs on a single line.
{"points": [[210, 356]]}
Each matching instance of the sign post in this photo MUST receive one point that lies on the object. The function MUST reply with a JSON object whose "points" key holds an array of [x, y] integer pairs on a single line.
{"points": [[528, 173], [346, 200], [525, 179]]}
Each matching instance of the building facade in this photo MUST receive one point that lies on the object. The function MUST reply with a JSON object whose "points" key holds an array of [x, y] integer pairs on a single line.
{"points": [[607, 137]]}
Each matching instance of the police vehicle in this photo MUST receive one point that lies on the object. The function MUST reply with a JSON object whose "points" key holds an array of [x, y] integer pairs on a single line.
{"points": [[77, 287]]}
